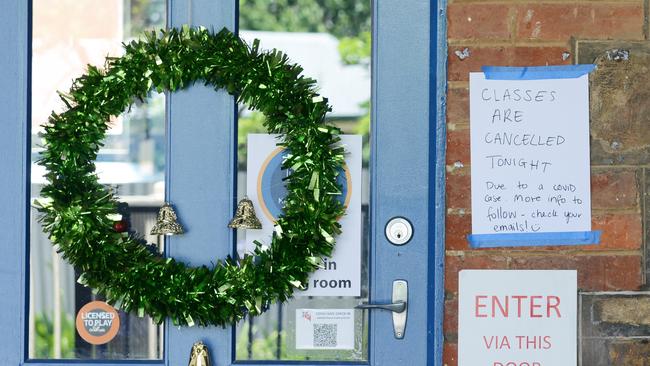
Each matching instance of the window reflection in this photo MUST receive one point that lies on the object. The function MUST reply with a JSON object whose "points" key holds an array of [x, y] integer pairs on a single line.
{"points": [[331, 41], [68, 35]]}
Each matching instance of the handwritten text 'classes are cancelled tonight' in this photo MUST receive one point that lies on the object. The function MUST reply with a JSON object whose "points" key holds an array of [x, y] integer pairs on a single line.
{"points": [[509, 116]]}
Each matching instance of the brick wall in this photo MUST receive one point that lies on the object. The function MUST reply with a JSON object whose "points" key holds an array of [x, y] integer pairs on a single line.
{"points": [[525, 33]]}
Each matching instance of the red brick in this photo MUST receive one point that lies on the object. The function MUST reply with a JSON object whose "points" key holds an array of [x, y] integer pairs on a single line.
{"points": [[595, 272], [450, 323], [456, 230], [614, 189], [624, 273], [450, 354], [620, 231], [472, 21], [598, 21], [458, 105], [502, 56], [458, 191], [458, 146], [454, 264]]}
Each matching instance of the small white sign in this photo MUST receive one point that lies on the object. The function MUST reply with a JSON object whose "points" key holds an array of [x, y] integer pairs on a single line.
{"points": [[517, 318], [341, 273], [530, 155], [324, 329]]}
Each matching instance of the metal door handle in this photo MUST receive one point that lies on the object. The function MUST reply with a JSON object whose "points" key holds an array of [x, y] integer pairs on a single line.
{"points": [[399, 307], [396, 307]]}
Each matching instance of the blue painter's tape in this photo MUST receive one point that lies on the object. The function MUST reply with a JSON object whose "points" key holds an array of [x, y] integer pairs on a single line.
{"points": [[536, 72], [534, 239]]}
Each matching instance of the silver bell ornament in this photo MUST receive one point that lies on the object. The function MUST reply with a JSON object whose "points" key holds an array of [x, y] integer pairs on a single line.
{"points": [[245, 217], [167, 222]]}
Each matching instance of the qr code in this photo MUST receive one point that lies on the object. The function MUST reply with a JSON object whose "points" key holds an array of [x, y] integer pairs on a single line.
{"points": [[325, 335]]}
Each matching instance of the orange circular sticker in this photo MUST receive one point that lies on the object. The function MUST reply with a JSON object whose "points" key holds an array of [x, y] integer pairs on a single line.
{"points": [[97, 322]]}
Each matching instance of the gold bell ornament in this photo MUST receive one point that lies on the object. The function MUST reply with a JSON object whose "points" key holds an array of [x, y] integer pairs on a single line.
{"points": [[167, 223], [199, 356], [245, 217]]}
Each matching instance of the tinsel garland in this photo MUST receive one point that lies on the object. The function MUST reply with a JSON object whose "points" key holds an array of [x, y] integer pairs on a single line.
{"points": [[77, 211]]}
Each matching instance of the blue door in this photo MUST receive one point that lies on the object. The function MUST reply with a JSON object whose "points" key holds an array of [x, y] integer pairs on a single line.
{"points": [[403, 170]]}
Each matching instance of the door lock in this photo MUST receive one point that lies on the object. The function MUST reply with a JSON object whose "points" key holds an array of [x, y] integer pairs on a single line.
{"points": [[399, 307], [399, 231]]}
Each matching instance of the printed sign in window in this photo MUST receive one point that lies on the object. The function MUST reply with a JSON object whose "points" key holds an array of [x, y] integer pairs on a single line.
{"points": [[97, 322], [324, 329], [340, 274]]}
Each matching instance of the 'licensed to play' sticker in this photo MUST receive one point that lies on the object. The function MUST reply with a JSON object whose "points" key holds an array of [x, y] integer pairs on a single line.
{"points": [[97, 322]]}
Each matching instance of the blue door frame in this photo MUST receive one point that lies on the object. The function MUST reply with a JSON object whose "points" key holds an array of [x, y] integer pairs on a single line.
{"points": [[408, 165]]}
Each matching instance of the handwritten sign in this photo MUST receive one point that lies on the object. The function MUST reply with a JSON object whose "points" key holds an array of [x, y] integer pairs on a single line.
{"points": [[530, 155], [517, 318]]}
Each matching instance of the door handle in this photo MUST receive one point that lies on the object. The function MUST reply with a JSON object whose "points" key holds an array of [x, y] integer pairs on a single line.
{"points": [[396, 307], [399, 307]]}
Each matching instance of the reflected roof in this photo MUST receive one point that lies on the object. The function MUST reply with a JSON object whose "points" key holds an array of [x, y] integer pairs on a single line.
{"points": [[346, 86]]}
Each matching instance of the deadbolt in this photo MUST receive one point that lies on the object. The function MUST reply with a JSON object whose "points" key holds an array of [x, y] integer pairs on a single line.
{"points": [[399, 231]]}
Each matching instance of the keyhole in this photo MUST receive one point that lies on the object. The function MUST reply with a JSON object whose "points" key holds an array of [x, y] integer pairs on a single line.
{"points": [[398, 231]]}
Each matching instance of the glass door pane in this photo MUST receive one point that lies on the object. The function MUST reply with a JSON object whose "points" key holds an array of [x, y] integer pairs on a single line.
{"points": [[68, 35], [331, 41]]}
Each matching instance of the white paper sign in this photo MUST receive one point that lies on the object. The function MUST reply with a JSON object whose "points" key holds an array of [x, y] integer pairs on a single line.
{"points": [[324, 329], [530, 155], [517, 318], [341, 275]]}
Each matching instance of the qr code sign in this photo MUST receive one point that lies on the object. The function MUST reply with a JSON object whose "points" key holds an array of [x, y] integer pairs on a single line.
{"points": [[325, 335], [325, 329]]}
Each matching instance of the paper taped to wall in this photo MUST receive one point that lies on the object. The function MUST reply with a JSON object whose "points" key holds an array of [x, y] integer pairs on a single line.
{"points": [[530, 161]]}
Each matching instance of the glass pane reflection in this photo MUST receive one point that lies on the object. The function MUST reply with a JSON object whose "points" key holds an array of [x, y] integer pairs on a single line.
{"points": [[67, 35], [331, 41]]}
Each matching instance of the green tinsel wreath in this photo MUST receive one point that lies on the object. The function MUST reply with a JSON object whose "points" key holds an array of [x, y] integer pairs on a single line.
{"points": [[77, 210]]}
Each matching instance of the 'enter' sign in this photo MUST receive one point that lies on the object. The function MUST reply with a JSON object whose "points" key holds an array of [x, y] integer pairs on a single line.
{"points": [[517, 318]]}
